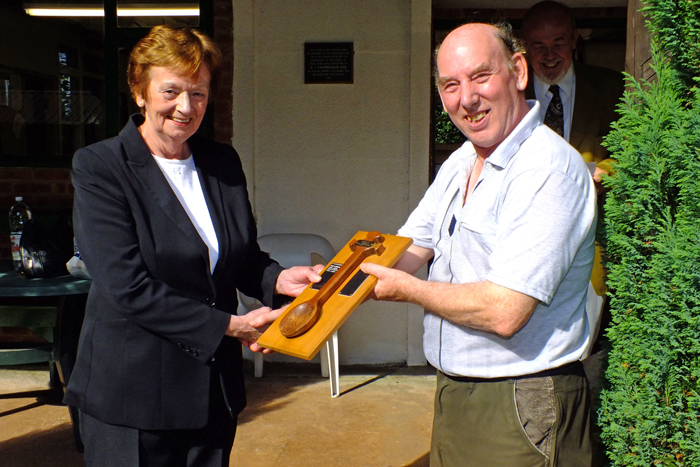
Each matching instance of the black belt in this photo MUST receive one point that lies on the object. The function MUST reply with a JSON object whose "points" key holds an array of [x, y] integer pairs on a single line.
{"points": [[573, 368]]}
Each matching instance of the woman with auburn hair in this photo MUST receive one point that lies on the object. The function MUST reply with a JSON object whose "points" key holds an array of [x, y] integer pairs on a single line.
{"points": [[166, 230]]}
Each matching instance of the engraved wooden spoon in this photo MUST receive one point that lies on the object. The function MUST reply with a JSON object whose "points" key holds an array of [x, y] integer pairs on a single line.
{"points": [[303, 316]]}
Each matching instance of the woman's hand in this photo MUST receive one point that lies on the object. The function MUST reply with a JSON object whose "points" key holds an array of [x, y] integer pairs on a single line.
{"points": [[293, 281], [249, 327]]}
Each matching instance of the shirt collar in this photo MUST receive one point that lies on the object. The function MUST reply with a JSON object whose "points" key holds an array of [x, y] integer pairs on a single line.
{"points": [[509, 146]]}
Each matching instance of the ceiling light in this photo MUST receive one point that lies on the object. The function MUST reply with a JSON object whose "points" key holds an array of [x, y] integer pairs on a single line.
{"points": [[58, 9], [158, 11], [43, 11]]}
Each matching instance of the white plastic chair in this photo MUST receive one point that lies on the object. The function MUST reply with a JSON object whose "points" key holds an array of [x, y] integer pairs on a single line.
{"points": [[298, 249]]}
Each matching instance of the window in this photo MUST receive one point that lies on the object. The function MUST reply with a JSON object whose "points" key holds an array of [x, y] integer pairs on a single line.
{"points": [[51, 86], [63, 78]]}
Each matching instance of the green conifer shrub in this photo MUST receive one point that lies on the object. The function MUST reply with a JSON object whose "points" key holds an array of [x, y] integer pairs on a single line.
{"points": [[650, 410], [676, 26]]}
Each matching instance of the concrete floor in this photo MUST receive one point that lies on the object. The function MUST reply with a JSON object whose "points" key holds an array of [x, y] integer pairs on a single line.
{"points": [[382, 418]]}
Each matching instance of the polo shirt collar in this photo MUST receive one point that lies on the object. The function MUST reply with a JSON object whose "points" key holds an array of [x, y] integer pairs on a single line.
{"points": [[510, 146]]}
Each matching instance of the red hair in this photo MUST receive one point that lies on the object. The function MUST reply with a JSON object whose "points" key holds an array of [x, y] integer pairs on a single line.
{"points": [[182, 50]]}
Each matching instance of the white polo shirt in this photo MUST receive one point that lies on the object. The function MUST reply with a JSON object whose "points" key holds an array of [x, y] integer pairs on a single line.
{"points": [[529, 225]]}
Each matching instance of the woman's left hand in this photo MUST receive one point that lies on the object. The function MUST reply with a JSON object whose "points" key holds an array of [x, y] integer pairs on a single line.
{"points": [[293, 281], [249, 327], [290, 282]]}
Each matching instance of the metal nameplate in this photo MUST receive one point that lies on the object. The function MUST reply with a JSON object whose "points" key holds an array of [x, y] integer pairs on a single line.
{"points": [[364, 243]]}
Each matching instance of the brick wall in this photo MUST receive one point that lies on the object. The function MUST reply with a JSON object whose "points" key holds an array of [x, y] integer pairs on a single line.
{"points": [[45, 191], [223, 101]]}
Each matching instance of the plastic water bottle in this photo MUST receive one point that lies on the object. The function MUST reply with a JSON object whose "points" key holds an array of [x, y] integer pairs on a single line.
{"points": [[19, 214]]}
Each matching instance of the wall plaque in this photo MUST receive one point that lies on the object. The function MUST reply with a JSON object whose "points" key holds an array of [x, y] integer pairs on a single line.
{"points": [[328, 62]]}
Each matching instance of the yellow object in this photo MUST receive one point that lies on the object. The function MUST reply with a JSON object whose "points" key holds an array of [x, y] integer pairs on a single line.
{"points": [[598, 273]]}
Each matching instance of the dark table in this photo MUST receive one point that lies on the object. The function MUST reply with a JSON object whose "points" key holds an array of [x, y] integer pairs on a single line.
{"points": [[54, 308]]}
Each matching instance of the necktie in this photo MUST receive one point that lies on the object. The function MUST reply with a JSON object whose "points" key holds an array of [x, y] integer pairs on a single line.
{"points": [[554, 117]]}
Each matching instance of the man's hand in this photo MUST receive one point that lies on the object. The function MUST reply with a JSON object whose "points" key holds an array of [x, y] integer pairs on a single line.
{"points": [[391, 283], [293, 281], [479, 305], [597, 179]]}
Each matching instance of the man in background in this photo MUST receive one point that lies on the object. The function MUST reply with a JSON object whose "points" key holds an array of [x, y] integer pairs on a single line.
{"points": [[577, 101]]}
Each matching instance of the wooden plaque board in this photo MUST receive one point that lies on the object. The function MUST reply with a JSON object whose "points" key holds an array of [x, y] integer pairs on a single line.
{"points": [[339, 307]]}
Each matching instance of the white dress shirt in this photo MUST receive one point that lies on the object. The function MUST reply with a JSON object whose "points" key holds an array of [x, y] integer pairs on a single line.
{"points": [[567, 90]]}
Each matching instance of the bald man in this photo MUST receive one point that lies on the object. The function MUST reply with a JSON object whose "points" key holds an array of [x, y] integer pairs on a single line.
{"points": [[509, 223]]}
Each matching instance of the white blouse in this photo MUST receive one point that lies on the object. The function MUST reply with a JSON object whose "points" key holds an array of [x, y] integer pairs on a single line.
{"points": [[183, 179]]}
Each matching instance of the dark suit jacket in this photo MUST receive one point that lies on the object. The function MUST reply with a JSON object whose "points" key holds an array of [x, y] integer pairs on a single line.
{"points": [[156, 317], [598, 91]]}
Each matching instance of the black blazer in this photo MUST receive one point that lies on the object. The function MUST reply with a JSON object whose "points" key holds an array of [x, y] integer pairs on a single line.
{"points": [[156, 317]]}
